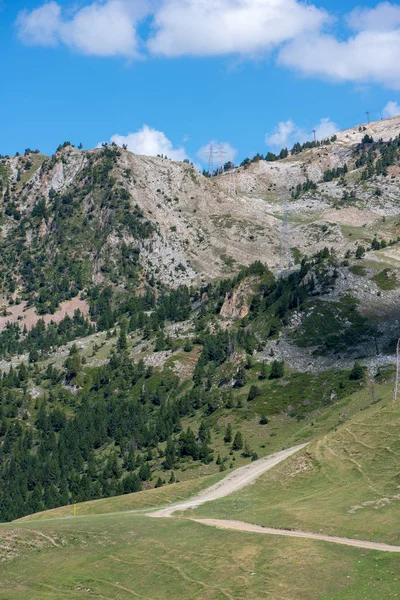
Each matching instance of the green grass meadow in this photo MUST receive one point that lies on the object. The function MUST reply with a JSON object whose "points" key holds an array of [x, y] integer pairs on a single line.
{"points": [[126, 556], [347, 483]]}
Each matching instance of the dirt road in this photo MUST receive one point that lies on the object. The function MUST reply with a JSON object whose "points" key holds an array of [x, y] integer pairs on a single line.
{"points": [[232, 483], [245, 476], [250, 528]]}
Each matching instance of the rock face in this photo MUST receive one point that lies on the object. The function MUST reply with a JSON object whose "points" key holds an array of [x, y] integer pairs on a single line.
{"points": [[207, 228], [236, 305]]}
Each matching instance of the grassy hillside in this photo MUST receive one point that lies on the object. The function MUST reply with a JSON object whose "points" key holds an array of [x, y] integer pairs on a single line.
{"points": [[146, 499], [336, 486], [344, 483], [347, 483], [125, 556]]}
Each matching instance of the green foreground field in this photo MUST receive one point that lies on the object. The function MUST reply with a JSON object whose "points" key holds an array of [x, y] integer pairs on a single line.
{"points": [[128, 556]]}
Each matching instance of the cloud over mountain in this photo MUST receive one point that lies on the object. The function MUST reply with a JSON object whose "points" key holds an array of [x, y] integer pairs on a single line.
{"points": [[367, 50]]}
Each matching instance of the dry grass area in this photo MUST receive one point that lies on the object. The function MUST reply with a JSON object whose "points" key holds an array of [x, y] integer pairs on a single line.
{"points": [[184, 364], [132, 502], [14, 542]]}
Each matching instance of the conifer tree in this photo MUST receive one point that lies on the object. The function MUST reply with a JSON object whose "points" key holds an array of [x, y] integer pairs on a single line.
{"points": [[238, 441], [228, 434]]}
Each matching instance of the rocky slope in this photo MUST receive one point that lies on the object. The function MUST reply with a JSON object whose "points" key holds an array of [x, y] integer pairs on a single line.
{"points": [[192, 229]]}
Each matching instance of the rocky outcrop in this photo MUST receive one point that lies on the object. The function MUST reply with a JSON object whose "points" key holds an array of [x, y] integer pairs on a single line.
{"points": [[237, 303]]}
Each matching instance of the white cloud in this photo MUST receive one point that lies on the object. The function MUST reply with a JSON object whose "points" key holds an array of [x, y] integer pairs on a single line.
{"points": [[383, 17], [325, 128], [281, 135], [392, 109], [299, 31], [287, 133], [40, 26], [223, 152], [218, 27], [371, 54], [180, 27], [150, 142], [100, 29]]}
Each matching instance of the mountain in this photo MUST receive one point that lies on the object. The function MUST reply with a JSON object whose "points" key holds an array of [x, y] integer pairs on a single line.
{"points": [[153, 326], [83, 218]]}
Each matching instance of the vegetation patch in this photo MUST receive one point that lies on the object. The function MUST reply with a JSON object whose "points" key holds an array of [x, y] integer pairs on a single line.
{"points": [[335, 327], [386, 280], [358, 270]]}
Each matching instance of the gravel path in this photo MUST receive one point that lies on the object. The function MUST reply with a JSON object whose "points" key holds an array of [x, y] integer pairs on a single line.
{"points": [[250, 528], [243, 477], [235, 481]]}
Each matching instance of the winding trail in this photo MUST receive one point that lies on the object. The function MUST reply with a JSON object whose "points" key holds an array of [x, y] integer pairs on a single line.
{"points": [[235, 481], [250, 528], [243, 477]]}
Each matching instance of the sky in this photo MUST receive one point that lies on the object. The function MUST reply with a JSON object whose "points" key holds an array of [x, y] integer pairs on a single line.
{"points": [[173, 76]]}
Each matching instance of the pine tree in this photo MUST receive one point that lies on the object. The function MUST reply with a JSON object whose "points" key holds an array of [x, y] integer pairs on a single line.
{"points": [[240, 378], [253, 393], [129, 462], [228, 434], [204, 433], [122, 341], [277, 369], [144, 472], [170, 455], [357, 372], [238, 441], [247, 450], [132, 484], [263, 371]]}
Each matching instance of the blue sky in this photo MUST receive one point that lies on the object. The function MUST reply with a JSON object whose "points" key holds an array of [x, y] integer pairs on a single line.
{"points": [[253, 75]]}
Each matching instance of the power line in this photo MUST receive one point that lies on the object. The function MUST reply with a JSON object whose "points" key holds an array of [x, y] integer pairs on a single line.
{"points": [[221, 158], [286, 256], [396, 387], [211, 160]]}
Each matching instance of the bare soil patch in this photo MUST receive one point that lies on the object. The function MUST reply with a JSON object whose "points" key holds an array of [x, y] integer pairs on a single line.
{"points": [[29, 317], [351, 216]]}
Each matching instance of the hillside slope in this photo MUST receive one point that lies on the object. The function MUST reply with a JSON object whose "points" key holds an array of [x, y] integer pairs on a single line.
{"points": [[346, 483], [87, 218], [126, 554]]}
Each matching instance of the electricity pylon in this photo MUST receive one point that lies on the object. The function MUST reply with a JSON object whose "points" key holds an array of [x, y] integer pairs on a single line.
{"points": [[396, 386], [211, 161], [286, 255]]}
